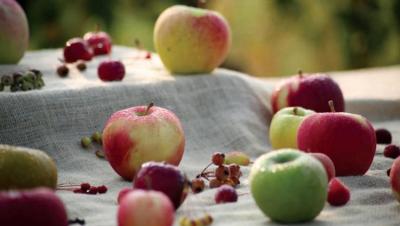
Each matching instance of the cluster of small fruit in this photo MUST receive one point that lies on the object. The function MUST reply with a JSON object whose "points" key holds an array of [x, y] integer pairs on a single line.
{"points": [[200, 221], [87, 142], [83, 188], [22, 81], [223, 174], [383, 136]]}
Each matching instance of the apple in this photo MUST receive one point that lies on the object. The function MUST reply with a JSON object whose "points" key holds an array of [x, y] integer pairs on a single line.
{"points": [[23, 168], [395, 178], [99, 41], [288, 185], [14, 32], [141, 134], [40, 206], [150, 208], [310, 92], [327, 163], [284, 125], [152, 177], [191, 40], [347, 139]]}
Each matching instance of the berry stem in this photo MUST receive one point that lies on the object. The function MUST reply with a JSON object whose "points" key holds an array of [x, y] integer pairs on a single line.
{"points": [[331, 106]]}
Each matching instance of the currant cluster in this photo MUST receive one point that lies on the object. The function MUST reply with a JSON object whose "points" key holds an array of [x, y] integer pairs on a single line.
{"points": [[83, 188], [222, 174], [200, 221], [22, 81], [87, 142]]}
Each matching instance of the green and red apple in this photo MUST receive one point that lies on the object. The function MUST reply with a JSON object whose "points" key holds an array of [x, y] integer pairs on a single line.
{"points": [[308, 91], [141, 134], [14, 32], [347, 139], [191, 40], [284, 125], [289, 186], [150, 208]]}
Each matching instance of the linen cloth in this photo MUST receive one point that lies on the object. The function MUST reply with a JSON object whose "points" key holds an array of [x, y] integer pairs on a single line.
{"points": [[223, 111]]}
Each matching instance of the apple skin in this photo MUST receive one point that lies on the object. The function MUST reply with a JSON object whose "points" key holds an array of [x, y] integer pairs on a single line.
{"points": [[14, 32], [191, 40], [131, 137], [395, 178], [40, 206], [284, 125], [311, 92], [347, 139], [327, 163], [288, 185], [150, 208]]}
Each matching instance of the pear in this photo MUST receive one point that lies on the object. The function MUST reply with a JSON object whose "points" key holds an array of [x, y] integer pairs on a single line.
{"points": [[22, 168]]}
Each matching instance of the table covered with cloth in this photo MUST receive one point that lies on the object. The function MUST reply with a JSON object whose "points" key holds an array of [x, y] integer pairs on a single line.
{"points": [[221, 112]]}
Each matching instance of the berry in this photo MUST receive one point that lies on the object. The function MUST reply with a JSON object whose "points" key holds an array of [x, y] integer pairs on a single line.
{"points": [[222, 173], [237, 157], [148, 55], [62, 70], [86, 142], [25, 86], [391, 151], [388, 172], [100, 42], [17, 78], [96, 137], [102, 189], [215, 183], [77, 49], [234, 170], [338, 193], [225, 194], [383, 136], [111, 70], [81, 66], [122, 193], [235, 181], [218, 158], [85, 186], [6, 80], [92, 190], [15, 88], [197, 185]]}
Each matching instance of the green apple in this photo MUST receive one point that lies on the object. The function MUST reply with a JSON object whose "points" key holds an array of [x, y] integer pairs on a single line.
{"points": [[23, 168], [288, 185], [191, 40], [284, 125]]}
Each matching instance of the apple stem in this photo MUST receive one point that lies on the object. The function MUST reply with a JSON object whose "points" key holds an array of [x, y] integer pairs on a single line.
{"points": [[295, 110], [300, 72], [97, 27], [331, 106], [148, 108]]}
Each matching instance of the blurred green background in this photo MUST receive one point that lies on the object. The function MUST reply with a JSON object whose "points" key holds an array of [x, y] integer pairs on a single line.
{"points": [[270, 37]]}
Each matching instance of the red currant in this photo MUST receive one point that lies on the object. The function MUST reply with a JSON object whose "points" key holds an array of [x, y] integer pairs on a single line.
{"points": [[218, 158]]}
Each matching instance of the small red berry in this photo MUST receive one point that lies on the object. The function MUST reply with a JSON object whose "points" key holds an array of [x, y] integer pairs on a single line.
{"points": [[218, 158], [93, 190], [222, 173], [111, 70], [214, 183], [148, 55], [102, 189], [234, 170], [197, 185], [85, 186], [225, 193], [338, 193], [62, 70], [391, 151], [78, 190], [383, 136], [77, 49]]}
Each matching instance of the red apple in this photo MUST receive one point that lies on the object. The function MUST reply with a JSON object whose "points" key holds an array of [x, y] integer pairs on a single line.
{"points": [[311, 92], [150, 208], [347, 139], [40, 206], [77, 49], [141, 134], [99, 41], [327, 163], [395, 178], [152, 177], [14, 32]]}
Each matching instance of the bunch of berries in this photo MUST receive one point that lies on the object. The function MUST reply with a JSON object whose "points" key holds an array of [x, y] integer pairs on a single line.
{"points": [[22, 81], [83, 188]]}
